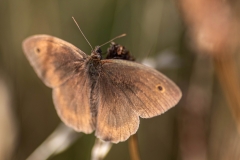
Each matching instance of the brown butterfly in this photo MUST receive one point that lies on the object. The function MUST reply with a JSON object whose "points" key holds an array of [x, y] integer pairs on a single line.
{"points": [[91, 93]]}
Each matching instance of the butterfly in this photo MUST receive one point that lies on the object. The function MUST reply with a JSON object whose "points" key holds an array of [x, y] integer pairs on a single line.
{"points": [[91, 93]]}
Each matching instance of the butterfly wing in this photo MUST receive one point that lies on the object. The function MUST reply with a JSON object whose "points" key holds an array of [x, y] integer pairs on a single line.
{"points": [[53, 59], [128, 90], [71, 100], [61, 66]]}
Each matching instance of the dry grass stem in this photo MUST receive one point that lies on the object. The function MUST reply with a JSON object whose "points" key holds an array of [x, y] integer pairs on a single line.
{"points": [[61, 138], [100, 149], [133, 147]]}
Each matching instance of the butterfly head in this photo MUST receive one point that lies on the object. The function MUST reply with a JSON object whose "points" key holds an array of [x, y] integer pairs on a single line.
{"points": [[97, 53]]}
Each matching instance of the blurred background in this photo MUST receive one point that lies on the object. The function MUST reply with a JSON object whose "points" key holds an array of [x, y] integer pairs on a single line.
{"points": [[195, 43]]}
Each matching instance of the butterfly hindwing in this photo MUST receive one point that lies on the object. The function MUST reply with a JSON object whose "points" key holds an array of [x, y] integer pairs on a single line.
{"points": [[116, 121], [71, 100]]}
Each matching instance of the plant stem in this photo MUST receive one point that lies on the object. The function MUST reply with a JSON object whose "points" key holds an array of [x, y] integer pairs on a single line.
{"points": [[226, 69], [133, 147]]}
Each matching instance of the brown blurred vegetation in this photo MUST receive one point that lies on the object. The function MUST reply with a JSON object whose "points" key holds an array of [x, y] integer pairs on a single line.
{"points": [[194, 42]]}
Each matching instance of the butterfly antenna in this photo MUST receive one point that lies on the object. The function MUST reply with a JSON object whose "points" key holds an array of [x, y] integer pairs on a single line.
{"points": [[122, 35], [82, 32]]}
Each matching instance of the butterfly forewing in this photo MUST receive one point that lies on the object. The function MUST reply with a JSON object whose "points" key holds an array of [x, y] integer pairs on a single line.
{"points": [[53, 59], [150, 92]]}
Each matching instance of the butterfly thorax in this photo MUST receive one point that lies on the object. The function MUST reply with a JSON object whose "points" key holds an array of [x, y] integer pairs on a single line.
{"points": [[94, 63]]}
